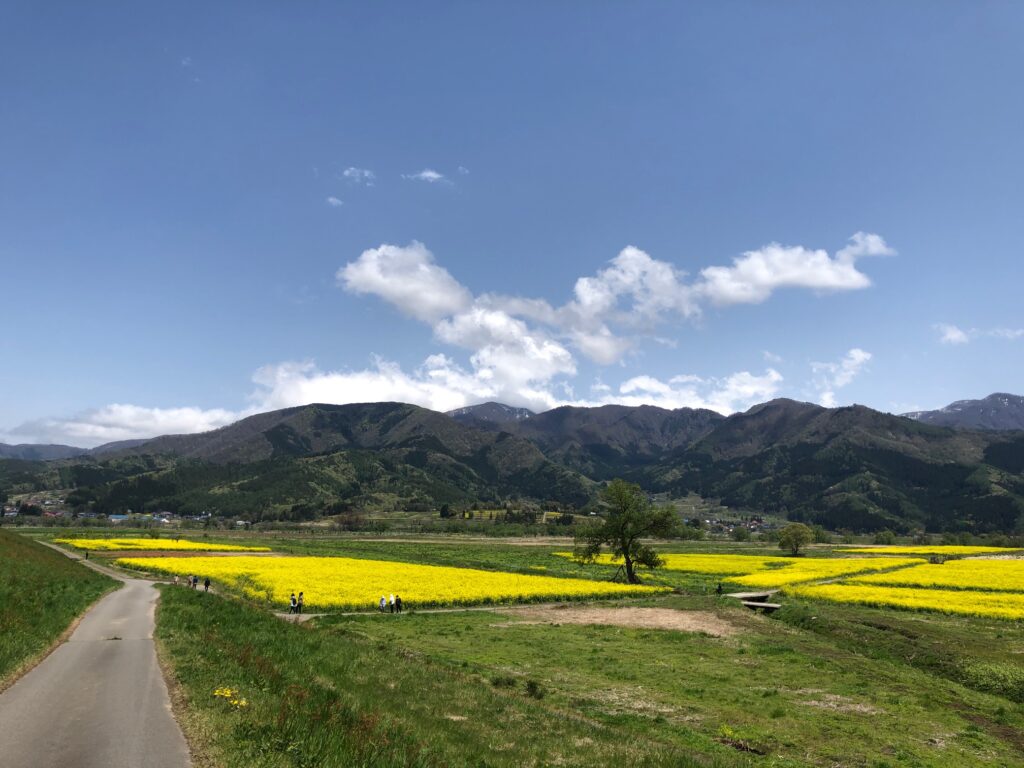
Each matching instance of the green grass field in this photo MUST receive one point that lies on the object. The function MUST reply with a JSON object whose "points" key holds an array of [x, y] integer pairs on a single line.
{"points": [[41, 593], [816, 684], [862, 687], [333, 698]]}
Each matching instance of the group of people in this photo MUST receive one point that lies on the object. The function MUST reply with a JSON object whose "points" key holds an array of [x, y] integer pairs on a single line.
{"points": [[193, 582], [395, 604], [296, 604]]}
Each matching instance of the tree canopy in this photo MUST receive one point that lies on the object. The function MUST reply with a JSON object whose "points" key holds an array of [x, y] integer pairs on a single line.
{"points": [[794, 536], [630, 518]]}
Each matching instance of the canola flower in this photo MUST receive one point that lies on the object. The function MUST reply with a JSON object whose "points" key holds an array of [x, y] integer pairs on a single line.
{"points": [[816, 569], [231, 696], [1001, 605], [142, 544], [926, 549], [710, 564], [345, 583], [989, 575]]}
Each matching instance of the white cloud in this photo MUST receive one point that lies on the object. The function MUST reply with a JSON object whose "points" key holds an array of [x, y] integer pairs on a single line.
{"points": [[334, 202], [951, 334], [521, 349], [612, 309], [771, 357], [755, 275], [440, 384], [122, 422], [735, 392], [359, 175], [1010, 334], [463, 170], [427, 174], [408, 278], [828, 377]]}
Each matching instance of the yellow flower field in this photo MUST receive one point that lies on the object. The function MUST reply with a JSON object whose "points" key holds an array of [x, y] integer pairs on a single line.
{"points": [[926, 549], [712, 564], [994, 575], [163, 545], [347, 583], [815, 569], [1003, 605]]}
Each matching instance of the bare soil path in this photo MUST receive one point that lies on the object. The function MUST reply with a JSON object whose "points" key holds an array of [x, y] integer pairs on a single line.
{"points": [[99, 700]]}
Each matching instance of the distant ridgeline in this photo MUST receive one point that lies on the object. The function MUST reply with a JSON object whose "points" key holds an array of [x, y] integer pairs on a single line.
{"points": [[843, 467]]}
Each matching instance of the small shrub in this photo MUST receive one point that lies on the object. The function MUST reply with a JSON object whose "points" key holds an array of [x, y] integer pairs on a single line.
{"points": [[1000, 678], [885, 537], [534, 690], [503, 681]]}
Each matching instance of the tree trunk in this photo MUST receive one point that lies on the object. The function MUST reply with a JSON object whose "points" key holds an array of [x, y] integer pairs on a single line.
{"points": [[630, 573]]}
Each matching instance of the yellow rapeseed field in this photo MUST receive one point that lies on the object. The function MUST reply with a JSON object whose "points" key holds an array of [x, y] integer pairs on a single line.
{"points": [[346, 583], [712, 564], [994, 575], [183, 545], [1003, 605], [925, 549], [815, 569]]}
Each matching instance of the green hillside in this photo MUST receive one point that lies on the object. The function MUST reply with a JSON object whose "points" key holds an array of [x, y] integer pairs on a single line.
{"points": [[843, 468]]}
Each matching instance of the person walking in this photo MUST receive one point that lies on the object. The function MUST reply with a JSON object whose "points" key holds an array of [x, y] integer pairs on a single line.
{"points": [[301, 602], [383, 603], [398, 603], [392, 602], [206, 584], [292, 603]]}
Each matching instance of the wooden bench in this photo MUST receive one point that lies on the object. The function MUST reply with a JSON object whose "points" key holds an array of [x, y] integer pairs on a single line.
{"points": [[763, 607]]}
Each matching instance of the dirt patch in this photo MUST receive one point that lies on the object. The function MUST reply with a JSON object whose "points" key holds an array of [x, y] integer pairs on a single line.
{"points": [[838, 703], [641, 618]]}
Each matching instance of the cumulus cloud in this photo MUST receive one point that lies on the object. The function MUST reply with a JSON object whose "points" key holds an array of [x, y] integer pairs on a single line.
{"points": [[121, 422], [735, 392], [427, 174], [408, 278], [828, 377], [359, 175], [334, 202], [755, 275], [951, 334], [521, 350], [441, 384], [609, 311]]}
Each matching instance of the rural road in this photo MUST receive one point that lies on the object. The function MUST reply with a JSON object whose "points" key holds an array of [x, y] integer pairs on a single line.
{"points": [[99, 700]]}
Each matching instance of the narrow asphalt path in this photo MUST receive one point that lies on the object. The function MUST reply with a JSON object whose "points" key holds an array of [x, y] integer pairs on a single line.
{"points": [[99, 700]]}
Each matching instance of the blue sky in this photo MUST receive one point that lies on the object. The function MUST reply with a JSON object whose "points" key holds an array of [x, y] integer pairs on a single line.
{"points": [[180, 243]]}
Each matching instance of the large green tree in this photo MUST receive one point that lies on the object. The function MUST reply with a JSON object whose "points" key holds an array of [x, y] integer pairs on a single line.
{"points": [[630, 519], [794, 536]]}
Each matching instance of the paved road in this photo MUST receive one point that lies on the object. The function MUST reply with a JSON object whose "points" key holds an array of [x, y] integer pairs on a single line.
{"points": [[99, 700]]}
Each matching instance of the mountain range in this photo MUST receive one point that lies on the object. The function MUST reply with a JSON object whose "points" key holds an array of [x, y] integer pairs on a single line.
{"points": [[998, 411], [847, 467]]}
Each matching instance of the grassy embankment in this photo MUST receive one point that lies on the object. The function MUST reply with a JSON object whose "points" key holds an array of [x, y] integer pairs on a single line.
{"points": [[317, 698], [41, 593]]}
